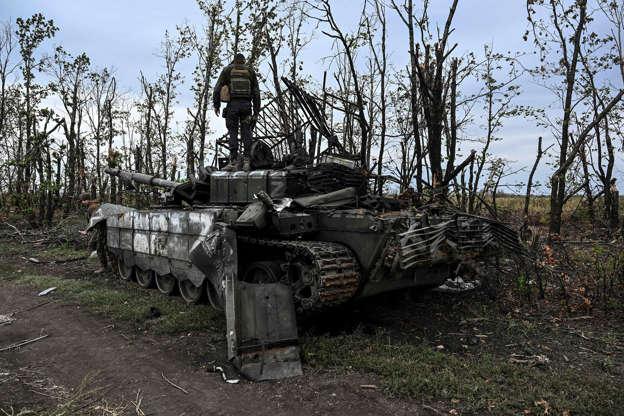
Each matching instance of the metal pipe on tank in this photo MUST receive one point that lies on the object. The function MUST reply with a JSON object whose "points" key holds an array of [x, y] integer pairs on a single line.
{"points": [[141, 178]]}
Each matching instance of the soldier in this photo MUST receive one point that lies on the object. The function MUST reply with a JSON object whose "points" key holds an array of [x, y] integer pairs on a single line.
{"points": [[238, 86]]}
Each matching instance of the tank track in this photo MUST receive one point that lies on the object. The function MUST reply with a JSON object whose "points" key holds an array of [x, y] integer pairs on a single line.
{"points": [[335, 278]]}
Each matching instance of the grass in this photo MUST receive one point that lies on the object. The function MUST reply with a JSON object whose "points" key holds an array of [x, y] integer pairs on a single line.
{"points": [[124, 302], [86, 399], [62, 252], [539, 208], [472, 383]]}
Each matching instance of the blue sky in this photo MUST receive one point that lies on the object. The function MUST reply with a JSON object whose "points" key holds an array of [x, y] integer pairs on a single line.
{"points": [[126, 35]]}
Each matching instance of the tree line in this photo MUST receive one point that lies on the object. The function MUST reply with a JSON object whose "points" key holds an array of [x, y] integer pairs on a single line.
{"points": [[63, 119]]}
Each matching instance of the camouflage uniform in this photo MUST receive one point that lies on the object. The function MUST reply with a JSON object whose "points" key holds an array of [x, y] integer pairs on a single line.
{"points": [[243, 105]]}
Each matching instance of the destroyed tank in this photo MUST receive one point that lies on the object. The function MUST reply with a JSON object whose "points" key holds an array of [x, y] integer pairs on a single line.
{"points": [[278, 241]]}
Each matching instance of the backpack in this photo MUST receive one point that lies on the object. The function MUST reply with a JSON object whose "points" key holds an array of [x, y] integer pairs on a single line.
{"points": [[240, 82]]}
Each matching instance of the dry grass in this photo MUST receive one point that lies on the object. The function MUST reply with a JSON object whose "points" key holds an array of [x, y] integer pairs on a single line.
{"points": [[87, 399]]}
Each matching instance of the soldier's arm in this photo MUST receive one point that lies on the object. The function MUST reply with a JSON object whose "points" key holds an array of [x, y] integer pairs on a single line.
{"points": [[216, 94], [255, 92]]}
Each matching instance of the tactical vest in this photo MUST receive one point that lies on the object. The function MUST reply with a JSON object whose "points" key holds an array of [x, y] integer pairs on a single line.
{"points": [[240, 82]]}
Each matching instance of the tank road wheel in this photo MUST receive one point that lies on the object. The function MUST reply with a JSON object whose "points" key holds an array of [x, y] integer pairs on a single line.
{"points": [[166, 283], [189, 292], [145, 278], [126, 272], [264, 272]]}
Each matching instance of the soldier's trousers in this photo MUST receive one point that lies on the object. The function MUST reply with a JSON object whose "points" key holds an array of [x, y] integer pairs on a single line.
{"points": [[238, 117]]}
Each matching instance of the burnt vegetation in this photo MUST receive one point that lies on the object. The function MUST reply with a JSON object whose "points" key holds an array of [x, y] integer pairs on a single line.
{"points": [[422, 128]]}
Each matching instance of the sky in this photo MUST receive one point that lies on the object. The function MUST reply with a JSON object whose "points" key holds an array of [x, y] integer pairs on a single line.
{"points": [[126, 36]]}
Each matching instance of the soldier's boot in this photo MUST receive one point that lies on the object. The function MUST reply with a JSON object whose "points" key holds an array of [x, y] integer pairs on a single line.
{"points": [[246, 164]]}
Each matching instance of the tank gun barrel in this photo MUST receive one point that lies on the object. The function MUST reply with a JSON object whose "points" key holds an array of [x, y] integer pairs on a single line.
{"points": [[141, 178]]}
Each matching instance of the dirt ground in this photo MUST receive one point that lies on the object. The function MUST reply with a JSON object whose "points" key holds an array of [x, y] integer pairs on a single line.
{"points": [[404, 354]]}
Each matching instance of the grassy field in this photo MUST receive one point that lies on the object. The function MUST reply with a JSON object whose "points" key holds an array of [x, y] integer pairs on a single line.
{"points": [[539, 208]]}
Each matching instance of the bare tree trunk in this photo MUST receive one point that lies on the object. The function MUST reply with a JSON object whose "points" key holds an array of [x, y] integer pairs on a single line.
{"points": [[527, 198], [558, 181]]}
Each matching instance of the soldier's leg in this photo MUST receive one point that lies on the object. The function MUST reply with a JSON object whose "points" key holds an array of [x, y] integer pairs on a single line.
{"points": [[231, 122], [246, 129]]}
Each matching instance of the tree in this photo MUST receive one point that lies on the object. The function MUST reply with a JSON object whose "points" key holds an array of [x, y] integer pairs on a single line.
{"points": [[70, 75], [558, 35], [207, 51], [348, 43], [30, 33], [381, 65], [173, 50], [433, 84], [101, 98], [406, 13], [8, 66], [498, 96]]}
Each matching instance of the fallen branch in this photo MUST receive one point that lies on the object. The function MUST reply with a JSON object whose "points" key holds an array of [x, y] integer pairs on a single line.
{"points": [[22, 343], [32, 307], [17, 231], [433, 409], [69, 260], [173, 384], [61, 261]]}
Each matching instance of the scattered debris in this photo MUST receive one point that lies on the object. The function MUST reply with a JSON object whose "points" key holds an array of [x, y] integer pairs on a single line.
{"points": [[32, 307], [70, 260], [458, 285], [22, 343], [218, 369], [543, 403], [61, 261], [6, 320], [369, 386], [578, 318], [433, 409], [173, 384], [47, 291], [137, 404], [532, 360]]}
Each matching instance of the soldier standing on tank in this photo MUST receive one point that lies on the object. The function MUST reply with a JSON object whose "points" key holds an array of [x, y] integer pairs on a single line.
{"points": [[238, 87]]}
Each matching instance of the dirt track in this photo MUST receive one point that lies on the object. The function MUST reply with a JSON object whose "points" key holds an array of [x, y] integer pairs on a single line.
{"points": [[80, 344]]}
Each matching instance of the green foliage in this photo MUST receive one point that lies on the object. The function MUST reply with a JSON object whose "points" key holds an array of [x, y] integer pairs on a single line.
{"points": [[523, 284], [31, 33]]}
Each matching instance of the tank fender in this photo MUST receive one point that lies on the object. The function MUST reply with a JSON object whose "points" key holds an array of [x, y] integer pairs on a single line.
{"points": [[215, 254], [106, 210]]}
